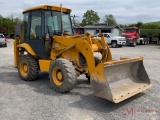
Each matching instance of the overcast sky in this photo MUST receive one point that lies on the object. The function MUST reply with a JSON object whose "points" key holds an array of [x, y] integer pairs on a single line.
{"points": [[125, 11]]}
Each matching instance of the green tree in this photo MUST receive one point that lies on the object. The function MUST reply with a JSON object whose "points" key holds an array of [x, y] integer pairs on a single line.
{"points": [[7, 24], [138, 24], [17, 20], [1, 19], [90, 17], [110, 20]]}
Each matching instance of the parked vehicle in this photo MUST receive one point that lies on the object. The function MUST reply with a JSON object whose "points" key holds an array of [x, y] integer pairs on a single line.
{"points": [[3, 41], [66, 56], [143, 40], [114, 41], [132, 35]]}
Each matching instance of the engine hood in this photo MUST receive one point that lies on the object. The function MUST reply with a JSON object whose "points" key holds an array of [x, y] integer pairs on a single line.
{"points": [[118, 37], [129, 34]]}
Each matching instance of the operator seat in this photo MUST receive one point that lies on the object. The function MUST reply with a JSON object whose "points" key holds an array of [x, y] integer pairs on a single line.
{"points": [[38, 31]]}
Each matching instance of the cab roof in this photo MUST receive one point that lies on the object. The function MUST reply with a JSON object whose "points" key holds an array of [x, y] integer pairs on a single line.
{"points": [[48, 7], [132, 28]]}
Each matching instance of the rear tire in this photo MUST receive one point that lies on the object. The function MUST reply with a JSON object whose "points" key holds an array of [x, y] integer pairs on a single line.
{"points": [[27, 67], [62, 75], [114, 44], [145, 43], [134, 43], [5, 45]]}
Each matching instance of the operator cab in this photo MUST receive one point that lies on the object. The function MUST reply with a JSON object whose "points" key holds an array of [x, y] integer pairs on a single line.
{"points": [[41, 23]]}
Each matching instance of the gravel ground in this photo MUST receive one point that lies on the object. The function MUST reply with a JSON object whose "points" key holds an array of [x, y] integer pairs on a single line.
{"points": [[21, 100]]}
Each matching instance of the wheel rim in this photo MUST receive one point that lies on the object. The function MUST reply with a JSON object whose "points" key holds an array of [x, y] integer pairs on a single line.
{"points": [[23, 68], [113, 44], [57, 76], [143, 43]]}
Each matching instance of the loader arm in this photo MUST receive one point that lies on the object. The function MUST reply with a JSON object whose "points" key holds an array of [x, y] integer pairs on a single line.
{"points": [[86, 45]]}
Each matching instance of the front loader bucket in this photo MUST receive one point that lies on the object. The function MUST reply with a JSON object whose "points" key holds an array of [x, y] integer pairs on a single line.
{"points": [[119, 80]]}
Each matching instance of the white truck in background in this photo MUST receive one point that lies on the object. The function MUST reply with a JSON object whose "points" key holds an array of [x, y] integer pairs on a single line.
{"points": [[3, 41], [114, 41]]}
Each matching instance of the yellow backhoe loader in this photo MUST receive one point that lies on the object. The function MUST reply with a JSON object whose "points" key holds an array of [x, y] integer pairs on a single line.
{"points": [[47, 43]]}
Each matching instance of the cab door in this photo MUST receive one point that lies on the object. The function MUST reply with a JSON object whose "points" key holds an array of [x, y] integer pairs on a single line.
{"points": [[108, 39], [35, 34]]}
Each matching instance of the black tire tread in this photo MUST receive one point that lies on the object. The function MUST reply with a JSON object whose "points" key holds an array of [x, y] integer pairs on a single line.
{"points": [[5, 45], [135, 43], [68, 72], [32, 66]]}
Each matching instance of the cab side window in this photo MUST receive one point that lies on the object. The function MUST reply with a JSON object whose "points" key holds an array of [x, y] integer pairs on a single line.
{"points": [[106, 35], [36, 24]]}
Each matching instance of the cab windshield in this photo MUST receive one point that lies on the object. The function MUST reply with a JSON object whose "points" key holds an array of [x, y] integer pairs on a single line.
{"points": [[129, 30], [53, 23], [112, 35]]}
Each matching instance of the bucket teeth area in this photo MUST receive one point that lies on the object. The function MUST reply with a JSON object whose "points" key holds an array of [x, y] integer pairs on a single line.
{"points": [[125, 88]]}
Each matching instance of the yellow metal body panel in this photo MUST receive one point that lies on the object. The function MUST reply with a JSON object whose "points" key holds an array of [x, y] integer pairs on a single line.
{"points": [[16, 52], [82, 46], [44, 65], [85, 45], [98, 73], [44, 7], [95, 47], [94, 41], [27, 47]]}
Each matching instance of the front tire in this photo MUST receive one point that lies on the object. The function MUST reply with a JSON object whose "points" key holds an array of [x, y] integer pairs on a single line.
{"points": [[114, 44], [62, 75], [134, 43], [27, 67], [145, 43]]}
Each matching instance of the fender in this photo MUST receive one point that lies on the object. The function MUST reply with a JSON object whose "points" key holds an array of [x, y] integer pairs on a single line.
{"points": [[28, 48]]}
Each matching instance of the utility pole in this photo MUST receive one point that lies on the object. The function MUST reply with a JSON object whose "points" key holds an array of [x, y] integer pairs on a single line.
{"points": [[74, 19]]}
